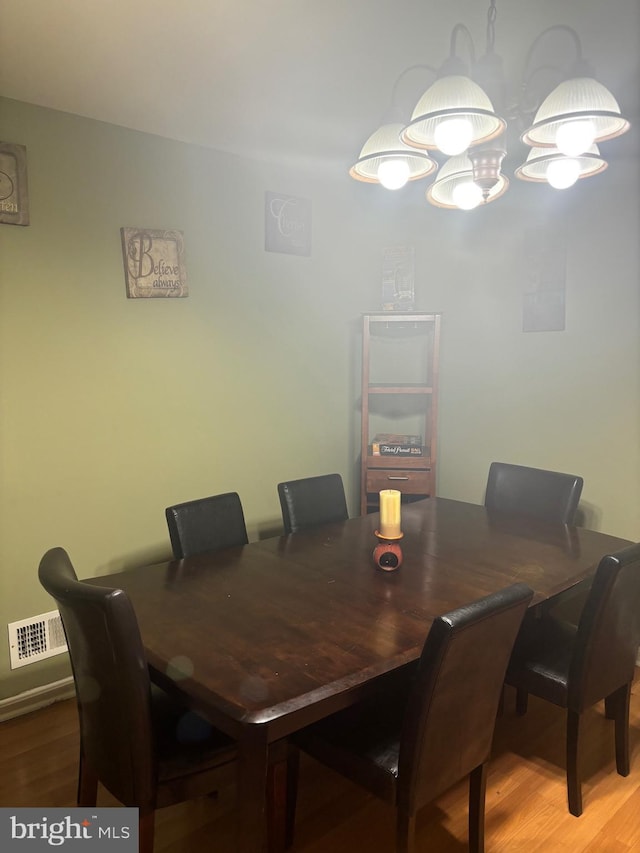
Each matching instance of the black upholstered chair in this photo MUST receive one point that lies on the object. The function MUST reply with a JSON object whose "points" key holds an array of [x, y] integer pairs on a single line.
{"points": [[311, 501], [409, 749], [549, 495], [206, 524], [576, 666], [145, 748]]}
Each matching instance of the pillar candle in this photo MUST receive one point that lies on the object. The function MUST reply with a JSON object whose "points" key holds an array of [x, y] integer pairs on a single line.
{"points": [[390, 513]]}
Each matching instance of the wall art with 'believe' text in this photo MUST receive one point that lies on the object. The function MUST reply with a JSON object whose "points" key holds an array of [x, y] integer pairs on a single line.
{"points": [[154, 263]]}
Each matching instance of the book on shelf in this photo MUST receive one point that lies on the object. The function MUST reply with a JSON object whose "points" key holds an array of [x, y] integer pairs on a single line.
{"points": [[393, 444]]}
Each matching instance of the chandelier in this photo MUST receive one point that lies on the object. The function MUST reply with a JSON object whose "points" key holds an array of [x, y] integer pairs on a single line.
{"points": [[456, 117]]}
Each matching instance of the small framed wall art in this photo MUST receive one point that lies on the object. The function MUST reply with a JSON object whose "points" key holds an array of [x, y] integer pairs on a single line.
{"points": [[287, 224], [14, 198], [154, 263], [398, 278], [545, 275]]}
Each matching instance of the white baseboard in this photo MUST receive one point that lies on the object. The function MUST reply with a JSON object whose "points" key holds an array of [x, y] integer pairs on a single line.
{"points": [[39, 697]]}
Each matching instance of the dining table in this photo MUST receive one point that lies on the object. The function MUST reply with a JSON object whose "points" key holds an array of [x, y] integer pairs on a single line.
{"points": [[267, 638]]}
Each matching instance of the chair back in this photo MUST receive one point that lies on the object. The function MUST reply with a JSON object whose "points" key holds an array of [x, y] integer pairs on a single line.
{"points": [[451, 712], [549, 495], [311, 501], [206, 524], [111, 680], [608, 634]]}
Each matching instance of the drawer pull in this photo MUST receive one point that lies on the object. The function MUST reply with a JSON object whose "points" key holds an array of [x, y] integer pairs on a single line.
{"points": [[397, 478]]}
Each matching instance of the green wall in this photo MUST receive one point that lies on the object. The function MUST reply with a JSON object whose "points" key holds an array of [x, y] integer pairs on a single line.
{"points": [[111, 409]]}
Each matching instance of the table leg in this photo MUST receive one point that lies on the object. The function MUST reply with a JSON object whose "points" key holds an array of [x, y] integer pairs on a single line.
{"points": [[253, 757], [280, 796]]}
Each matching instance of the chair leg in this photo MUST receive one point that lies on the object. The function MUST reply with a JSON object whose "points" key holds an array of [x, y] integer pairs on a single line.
{"points": [[146, 826], [405, 832], [609, 710], [87, 783], [617, 705], [477, 794], [522, 701], [574, 786]]}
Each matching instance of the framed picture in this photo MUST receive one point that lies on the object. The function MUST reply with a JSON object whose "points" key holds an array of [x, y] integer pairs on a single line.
{"points": [[14, 198], [543, 311], [287, 224], [154, 263], [544, 275], [398, 275]]}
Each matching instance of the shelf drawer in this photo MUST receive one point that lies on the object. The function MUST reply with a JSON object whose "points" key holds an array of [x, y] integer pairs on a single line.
{"points": [[407, 481]]}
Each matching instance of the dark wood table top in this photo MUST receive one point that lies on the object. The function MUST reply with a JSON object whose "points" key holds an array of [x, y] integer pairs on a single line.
{"points": [[283, 631]]}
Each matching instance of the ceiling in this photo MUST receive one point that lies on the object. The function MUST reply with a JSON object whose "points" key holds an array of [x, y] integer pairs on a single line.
{"points": [[302, 81]]}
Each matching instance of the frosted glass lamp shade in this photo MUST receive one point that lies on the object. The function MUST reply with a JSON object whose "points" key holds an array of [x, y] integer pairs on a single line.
{"points": [[450, 187], [385, 145], [580, 100], [537, 164], [452, 97]]}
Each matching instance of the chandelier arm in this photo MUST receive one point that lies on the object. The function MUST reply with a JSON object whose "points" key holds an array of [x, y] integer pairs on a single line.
{"points": [[492, 14], [555, 28], [528, 103], [402, 75], [460, 28]]}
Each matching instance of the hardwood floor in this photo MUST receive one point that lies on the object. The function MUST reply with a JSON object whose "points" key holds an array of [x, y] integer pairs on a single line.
{"points": [[526, 792]]}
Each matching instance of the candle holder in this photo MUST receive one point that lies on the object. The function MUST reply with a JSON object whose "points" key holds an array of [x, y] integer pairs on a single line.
{"points": [[387, 555]]}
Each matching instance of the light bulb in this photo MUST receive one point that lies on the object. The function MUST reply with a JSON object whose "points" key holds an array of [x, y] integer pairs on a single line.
{"points": [[466, 195], [563, 173], [575, 137], [394, 173], [453, 135]]}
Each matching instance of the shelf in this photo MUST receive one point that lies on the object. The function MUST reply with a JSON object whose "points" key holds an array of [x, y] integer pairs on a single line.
{"points": [[400, 389], [398, 462], [399, 396], [389, 317]]}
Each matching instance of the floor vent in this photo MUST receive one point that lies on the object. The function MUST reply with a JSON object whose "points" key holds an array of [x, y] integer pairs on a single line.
{"points": [[36, 639]]}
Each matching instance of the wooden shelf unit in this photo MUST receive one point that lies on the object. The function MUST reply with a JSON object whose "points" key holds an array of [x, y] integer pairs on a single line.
{"points": [[399, 395]]}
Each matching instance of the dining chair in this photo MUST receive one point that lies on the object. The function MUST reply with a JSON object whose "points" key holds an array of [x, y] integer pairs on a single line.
{"points": [[576, 666], [148, 750], [549, 495], [311, 501], [206, 524], [409, 749]]}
